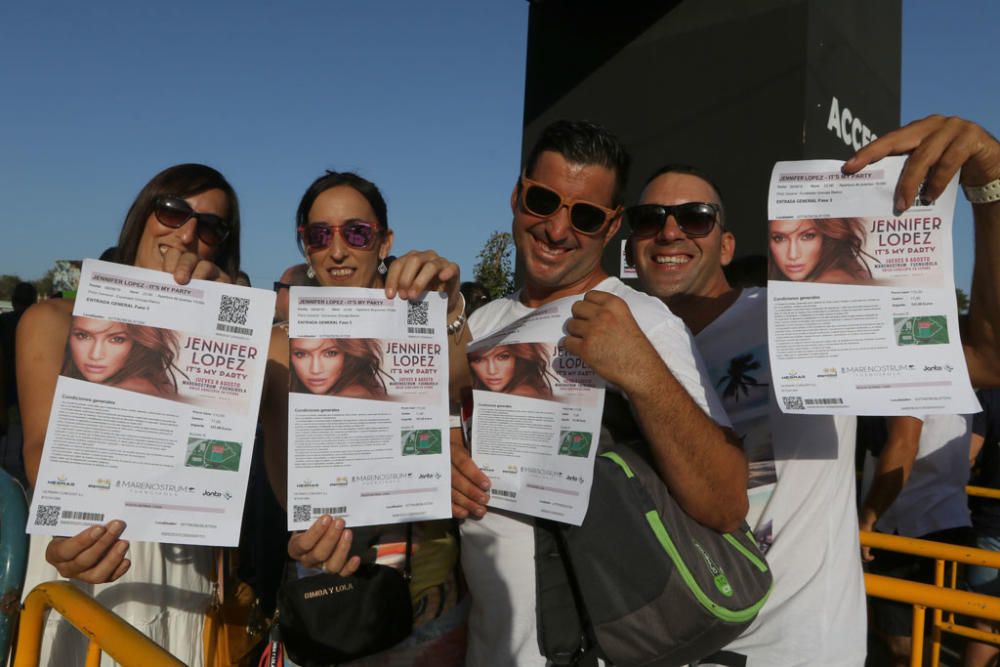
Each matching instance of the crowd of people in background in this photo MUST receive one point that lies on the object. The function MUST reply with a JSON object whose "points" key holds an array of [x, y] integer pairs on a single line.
{"points": [[663, 348]]}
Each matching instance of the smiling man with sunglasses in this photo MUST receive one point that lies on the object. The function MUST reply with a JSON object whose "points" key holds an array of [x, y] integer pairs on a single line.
{"points": [[567, 206], [802, 466]]}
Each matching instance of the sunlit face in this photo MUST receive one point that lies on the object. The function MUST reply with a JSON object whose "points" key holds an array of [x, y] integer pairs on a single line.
{"points": [[339, 264], [318, 363], [796, 247], [157, 238], [495, 369], [557, 259], [100, 348], [672, 263]]}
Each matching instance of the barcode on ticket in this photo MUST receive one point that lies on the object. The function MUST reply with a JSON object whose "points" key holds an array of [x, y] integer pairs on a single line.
{"points": [[329, 510], [824, 401]]}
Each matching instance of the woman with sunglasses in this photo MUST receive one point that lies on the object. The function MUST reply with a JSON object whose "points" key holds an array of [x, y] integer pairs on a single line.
{"points": [[821, 251], [185, 221], [342, 230], [521, 369]]}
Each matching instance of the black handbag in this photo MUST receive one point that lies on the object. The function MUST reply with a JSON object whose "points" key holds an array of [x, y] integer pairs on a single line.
{"points": [[326, 619]]}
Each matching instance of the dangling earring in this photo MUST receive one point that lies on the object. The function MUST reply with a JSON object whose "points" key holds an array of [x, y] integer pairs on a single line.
{"points": [[310, 273], [382, 268]]}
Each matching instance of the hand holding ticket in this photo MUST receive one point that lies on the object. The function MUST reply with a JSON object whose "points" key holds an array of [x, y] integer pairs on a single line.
{"points": [[861, 300], [151, 424]]}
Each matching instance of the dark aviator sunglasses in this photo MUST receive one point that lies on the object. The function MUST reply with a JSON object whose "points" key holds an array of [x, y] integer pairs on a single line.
{"points": [[174, 212], [695, 219]]}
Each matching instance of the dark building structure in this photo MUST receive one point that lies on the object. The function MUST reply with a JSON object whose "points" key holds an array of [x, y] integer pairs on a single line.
{"points": [[727, 85]]}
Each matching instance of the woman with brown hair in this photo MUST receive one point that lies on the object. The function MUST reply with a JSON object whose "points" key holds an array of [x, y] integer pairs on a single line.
{"points": [[350, 367], [185, 222], [125, 356], [521, 369], [342, 230], [821, 251]]}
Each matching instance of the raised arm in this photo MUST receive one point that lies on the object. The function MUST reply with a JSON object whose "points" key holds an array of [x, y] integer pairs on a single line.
{"points": [[939, 147]]}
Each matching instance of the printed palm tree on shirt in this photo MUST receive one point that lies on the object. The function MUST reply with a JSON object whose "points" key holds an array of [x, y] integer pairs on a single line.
{"points": [[738, 378]]}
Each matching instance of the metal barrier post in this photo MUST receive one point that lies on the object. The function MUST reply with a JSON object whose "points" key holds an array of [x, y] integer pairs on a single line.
{"points": [[917, 639], [937, 597], [107, 630], [936, 616], [13, 557]]}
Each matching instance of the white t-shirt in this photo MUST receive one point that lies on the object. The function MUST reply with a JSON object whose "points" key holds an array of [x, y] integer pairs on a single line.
{"points": [[498, 551], [934, 497], [803, 490]]}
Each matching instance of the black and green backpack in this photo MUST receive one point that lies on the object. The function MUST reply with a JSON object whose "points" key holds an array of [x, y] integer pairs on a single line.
{"points": [[640, 582]]}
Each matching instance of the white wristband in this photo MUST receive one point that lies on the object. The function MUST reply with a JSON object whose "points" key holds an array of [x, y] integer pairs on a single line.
{"points": [[983, 194]]}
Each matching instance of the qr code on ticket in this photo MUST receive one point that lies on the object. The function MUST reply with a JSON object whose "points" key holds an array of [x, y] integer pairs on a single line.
{"points": [[301, 513], [233, 309], [793, 403], [47, 515], [417, 313]]}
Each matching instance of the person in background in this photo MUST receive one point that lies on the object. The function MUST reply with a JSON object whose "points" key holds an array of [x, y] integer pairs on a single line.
{"points": [[24, 296], [293, 275], [476, 296], [914, 487], [985, 454]]}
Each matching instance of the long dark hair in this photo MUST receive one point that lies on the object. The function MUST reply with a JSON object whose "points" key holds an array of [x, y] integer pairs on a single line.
{"points": [[362, 367], [182, 180], [332, 179], [152, 358], [843, 248], [531, 368]]}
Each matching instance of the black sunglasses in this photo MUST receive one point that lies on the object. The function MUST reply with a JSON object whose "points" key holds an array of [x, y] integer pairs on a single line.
{"points": [[695, 219], [542, 201], [174, 212]]}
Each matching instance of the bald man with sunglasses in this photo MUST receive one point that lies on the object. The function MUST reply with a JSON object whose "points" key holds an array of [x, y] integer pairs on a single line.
{"points": [[567, 207], [807, 520]]}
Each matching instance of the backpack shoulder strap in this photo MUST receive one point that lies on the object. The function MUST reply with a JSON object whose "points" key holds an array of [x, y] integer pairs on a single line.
{"points": [[564, 633]]}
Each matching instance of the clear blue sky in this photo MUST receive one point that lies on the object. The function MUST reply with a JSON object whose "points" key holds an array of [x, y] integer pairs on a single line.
{"points": [[423, 97]]}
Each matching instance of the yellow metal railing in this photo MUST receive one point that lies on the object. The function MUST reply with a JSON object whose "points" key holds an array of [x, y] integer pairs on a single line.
{"points": [[983, 492], [937, 597], [107, 630]]}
